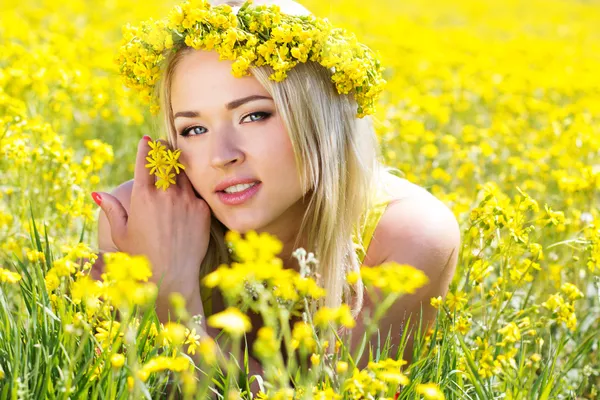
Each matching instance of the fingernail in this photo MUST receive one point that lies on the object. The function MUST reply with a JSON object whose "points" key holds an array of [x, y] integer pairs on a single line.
{"points": [[97, 198], [147, 138]]}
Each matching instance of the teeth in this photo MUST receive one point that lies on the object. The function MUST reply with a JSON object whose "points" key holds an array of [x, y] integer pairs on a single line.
{"points": [[239, 188]]}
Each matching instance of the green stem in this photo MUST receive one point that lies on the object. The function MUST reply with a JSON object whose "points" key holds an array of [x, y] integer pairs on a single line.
{"points": [[373, 324]]}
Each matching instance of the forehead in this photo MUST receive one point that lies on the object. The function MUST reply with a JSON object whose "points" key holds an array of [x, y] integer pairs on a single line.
{"points": [[202, 81]]}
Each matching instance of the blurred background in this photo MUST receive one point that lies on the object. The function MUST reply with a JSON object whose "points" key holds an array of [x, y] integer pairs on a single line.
{"points": [[493, 106]]}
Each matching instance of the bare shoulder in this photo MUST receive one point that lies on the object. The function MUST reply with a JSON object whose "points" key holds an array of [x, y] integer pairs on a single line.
{"points": [[123, 194], [416, 229], [419, 230]]}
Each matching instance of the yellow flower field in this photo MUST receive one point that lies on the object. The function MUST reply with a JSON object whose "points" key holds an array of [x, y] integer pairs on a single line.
{"points": [[493, 106]]}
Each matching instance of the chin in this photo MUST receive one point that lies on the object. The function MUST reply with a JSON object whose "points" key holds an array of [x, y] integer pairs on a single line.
{"points": [[242, 224]]}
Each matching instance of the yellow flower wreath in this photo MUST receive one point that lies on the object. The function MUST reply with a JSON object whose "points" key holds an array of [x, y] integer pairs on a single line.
{"points": [[252, 36]]}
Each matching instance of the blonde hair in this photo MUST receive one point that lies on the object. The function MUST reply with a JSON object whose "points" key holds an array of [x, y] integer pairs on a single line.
{"points": [[337, 156]]}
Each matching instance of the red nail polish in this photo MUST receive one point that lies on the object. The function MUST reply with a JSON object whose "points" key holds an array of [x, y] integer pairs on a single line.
{"points": [[97, 198], [147, 138]]}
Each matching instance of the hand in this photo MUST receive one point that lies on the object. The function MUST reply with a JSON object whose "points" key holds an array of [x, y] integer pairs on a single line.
{"points": [[171, 228]]}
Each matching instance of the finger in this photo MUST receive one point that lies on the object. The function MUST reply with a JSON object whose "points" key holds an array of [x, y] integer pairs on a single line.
{"points": [[117, 217], [183, 181], [141, 175], [164, 143]]}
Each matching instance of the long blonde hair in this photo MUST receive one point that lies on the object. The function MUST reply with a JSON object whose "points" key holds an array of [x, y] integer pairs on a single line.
{"points": [[337, 156]]}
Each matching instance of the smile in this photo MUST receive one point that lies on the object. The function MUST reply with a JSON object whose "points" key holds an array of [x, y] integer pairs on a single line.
{"points": [[239, 194]]}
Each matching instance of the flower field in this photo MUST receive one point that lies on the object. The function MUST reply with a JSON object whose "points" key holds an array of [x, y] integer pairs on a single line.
{"points": [[493, 106]]}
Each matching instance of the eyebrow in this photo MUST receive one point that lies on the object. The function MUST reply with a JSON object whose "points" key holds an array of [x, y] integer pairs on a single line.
{"points": [[230, 106]]}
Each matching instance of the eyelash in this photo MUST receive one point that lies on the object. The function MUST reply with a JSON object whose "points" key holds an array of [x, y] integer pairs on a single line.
{"points": [[265, 114]]}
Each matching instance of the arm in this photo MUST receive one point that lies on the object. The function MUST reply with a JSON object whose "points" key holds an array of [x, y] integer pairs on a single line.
{"points": [[424, 233], [106, 244]]}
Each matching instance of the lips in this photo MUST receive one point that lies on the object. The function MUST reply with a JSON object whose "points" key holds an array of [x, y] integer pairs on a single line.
{"points": [[238, 198], [234, 181], [246, 187]]}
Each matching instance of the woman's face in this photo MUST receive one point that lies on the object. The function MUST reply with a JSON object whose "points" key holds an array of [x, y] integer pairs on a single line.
{"points": [[229, 130]]}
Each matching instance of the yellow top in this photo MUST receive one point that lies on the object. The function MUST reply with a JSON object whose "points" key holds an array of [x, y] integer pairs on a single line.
{"points": [[365, 232], [370, 221]]}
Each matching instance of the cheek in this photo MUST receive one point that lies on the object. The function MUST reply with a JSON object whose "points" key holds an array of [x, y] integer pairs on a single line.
{"points": [[278, 160], [195, 166], [277, 149]]}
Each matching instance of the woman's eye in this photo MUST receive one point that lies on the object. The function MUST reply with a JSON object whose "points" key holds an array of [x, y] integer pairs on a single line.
{"points": [[194, 130], [252, 117], [257, 116]]}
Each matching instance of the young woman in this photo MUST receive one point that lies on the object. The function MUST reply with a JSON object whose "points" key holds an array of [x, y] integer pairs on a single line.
{"points": [[289, 158]]}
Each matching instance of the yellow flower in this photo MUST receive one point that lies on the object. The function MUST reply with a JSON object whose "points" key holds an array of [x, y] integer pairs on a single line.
{"points": [[156, 164], [208, 350], [130, 383], [325, 316], [463, 324], [9, 276], [122, 266], [51, 281], [206, 27], [436, 302], [352, 278], [456, 301], [510, 333], [173, 333], [125, 280], [192, 340], [572, 292], [315, 359], [107, 332], [161, 363], [266, 345], [164, 179], [430, 150], [254, 247], [156, 148], [392, 277], [388, 370], [117, 360], [161, 161], [430, 391], [84, 288], [327, 394], [308, 287], [173, 160], [336, 316], [554, 217], [64, 267], [231, 321], [341, 367], [35, 256], [303, 337]]}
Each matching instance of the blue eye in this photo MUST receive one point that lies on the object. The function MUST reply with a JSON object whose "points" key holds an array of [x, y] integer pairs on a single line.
{"points": [[262, 115], [195, 129], [199, 130]]}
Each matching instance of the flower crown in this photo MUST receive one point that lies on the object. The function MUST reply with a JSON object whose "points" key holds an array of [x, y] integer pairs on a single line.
{"points": [[254, 36]]}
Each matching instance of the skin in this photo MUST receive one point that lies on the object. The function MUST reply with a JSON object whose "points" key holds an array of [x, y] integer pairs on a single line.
{"points": [[225, 142]]}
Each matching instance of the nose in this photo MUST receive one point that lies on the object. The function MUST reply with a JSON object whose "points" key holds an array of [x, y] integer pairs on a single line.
{"points": [[225, 149]]}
